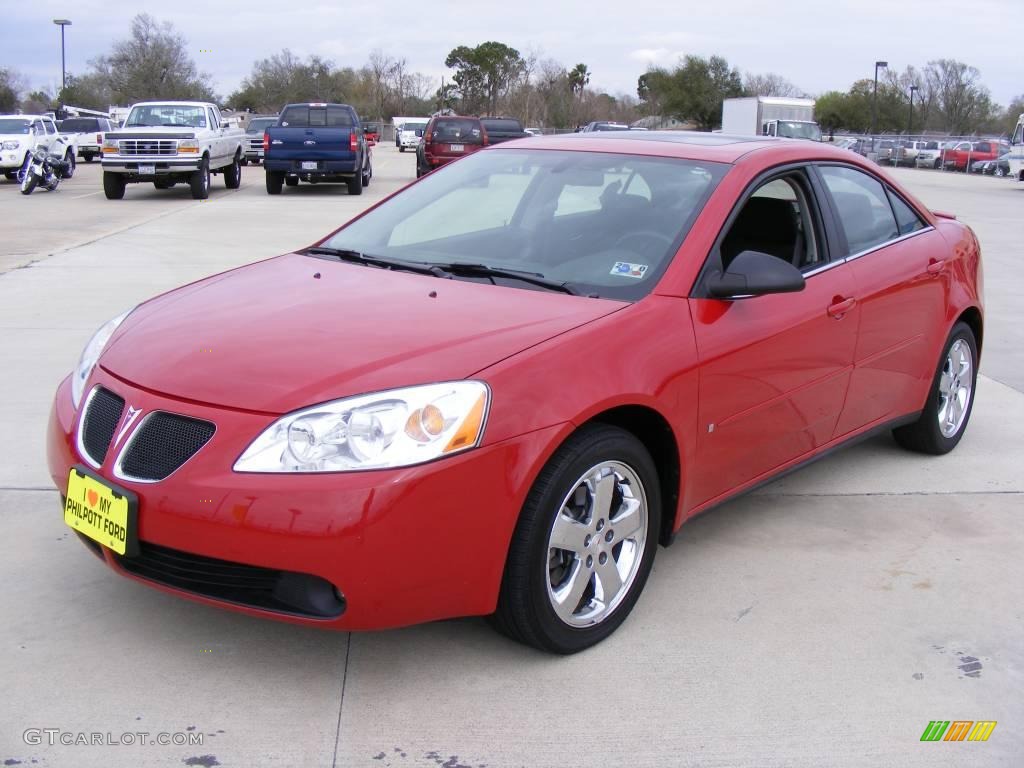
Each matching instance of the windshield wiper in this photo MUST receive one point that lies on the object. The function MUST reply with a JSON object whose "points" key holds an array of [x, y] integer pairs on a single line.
{"points": [[484, 270], [357, 257]]}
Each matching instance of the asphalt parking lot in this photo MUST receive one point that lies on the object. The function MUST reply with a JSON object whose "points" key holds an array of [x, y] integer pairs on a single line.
{"points": [[821, 621]]}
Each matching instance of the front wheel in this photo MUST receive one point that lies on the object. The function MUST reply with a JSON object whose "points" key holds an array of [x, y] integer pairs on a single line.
{"points": [[233, 174], [948, 409], [200, 181], [367, 174], [113, 185], [29, 182], [584, 543]]}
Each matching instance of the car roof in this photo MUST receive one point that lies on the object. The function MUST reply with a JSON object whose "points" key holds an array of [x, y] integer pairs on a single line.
{"points": [[173, 104], [687, 145]]}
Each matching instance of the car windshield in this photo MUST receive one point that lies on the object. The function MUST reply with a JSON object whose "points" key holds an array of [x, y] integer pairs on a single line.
{"points": [[80, 125], [258, 126], [9, 125], [152, 115], [797, 130], [499, 125], [605, 224]]}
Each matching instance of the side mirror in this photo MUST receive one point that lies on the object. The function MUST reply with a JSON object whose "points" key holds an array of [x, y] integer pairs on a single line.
{"points": [[753, 273]]}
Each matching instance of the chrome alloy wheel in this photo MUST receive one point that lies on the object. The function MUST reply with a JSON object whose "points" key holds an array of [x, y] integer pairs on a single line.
{"points": [[955, 388], [596, 544]]}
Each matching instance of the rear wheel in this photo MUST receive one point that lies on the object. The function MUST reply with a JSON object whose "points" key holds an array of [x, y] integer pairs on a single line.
{"points": [[11, 175], [584, 543], [200, 181], [113, 185], [233, 174], [948, 409], [275, 180], [367, 174], [355, 184], [88, 158]]}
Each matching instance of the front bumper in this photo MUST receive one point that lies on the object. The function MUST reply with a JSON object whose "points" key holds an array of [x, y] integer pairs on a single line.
{"points": [[401, 546], [12, 159], [162, 165]]}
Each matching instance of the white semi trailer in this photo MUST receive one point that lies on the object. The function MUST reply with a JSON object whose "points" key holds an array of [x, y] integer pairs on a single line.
{"points": [[1017, 150], [770, 116]]}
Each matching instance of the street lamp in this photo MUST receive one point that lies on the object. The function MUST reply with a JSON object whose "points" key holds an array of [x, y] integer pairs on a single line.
{"points": [[63, 70], [874, 97], [910, 120]]}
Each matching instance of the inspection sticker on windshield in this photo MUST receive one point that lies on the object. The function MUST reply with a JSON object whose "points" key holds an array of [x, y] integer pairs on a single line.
{"points": [[625, 269]]}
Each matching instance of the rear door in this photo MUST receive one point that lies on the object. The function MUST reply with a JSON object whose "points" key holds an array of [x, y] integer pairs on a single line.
{"points": [[774, 369], [901, 276]]}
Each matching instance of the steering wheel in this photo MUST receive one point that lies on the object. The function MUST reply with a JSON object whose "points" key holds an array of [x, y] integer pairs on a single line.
{"points": [[642, 235]]}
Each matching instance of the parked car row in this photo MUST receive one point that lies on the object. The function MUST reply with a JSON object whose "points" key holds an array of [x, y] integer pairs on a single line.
{"points": [[20, 135]]}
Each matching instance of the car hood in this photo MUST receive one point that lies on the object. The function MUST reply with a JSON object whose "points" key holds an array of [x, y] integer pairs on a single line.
{"points": [[156, 131], [297, 330]]}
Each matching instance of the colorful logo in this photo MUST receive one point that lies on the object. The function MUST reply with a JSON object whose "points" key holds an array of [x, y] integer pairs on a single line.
{"points": [[958, 730]]}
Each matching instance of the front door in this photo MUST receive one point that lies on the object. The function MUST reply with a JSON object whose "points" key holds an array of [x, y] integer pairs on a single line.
{"points": [[774, 369]]}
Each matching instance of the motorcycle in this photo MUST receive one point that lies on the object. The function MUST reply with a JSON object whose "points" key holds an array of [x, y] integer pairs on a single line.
{"points": [[46, 168]]}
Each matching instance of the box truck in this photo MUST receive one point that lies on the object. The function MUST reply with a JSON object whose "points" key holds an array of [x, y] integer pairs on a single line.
{"points": [[770, 116]]}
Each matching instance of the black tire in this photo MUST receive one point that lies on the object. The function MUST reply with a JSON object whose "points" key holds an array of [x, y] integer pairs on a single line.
{"points": [[69, 158], [291, 181], [367, 174], [113, 185], [401, 148], [275, 180], [355, 184], [245, 161], [233, 174], [925, 435], [29, 184], [88, 158], [11, 175], [199, 182], [525, 612]]}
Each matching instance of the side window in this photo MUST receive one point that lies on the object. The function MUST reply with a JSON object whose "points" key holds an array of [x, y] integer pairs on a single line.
{"points": [[982, 146], [213, 119], [776, 219], [906, 219], [1018, 135], [862, 206], [37, 127]]}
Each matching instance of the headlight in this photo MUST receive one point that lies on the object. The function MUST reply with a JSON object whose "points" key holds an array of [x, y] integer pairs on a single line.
{"points": [[90, 355], [110, 147], [12, 144], [397, 428], [190, 146]]}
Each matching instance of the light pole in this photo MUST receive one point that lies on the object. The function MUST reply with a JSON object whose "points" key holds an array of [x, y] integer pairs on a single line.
{"points": [[910, 120], [63, 70], [874, 97]]}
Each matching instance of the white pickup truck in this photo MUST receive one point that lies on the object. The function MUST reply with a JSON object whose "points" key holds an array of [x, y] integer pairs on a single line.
{"points": [[172, 142], [20, 134]]}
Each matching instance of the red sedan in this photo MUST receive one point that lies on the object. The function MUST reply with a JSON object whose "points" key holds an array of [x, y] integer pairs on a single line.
{"points": [[498, 391]]}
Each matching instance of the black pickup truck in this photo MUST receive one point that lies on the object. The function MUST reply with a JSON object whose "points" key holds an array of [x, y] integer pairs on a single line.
{"points": [[317, 142], [501, 129]]}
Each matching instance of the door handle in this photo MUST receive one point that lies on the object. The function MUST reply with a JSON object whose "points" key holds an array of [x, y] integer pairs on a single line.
{"points": [[839, 308], [935, 266]]}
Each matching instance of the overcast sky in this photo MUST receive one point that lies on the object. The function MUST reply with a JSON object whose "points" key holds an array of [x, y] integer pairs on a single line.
{"points": [[819, 46]]}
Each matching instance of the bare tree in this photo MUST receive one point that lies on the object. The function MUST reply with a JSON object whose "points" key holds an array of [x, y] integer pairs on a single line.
{"points": [[769, 84], [962, 100]]}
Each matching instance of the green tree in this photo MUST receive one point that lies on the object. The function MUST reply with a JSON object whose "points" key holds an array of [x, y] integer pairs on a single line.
{"points": [[89, 91], [152, 63], [693, 91], [579, 77], [484, 74], [12, 83], [38, 101]]}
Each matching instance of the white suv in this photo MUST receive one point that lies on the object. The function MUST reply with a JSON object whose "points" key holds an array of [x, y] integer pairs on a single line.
{"points": [[20, 134]]}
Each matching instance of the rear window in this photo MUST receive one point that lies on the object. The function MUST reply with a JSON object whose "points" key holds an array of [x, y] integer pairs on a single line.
{"points": [[982, 146], [461, 129], [80, 125], [258, 126], [310, 117], [502, 126]]}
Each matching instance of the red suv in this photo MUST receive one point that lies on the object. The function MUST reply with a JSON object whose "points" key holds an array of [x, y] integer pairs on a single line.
{"points": [[447, 138], [959, 158]]}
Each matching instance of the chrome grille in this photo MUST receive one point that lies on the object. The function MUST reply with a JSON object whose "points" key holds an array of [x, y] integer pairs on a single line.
{"points": [[162, 443], [256, 144], [137, 147]]}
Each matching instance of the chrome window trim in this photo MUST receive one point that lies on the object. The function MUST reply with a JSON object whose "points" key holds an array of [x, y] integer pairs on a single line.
{"points": [[79, 429], [121, 475], [887, 243]]}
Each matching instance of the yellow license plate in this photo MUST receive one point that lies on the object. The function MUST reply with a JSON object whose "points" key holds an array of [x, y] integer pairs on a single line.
{"points": [[100, 512]]}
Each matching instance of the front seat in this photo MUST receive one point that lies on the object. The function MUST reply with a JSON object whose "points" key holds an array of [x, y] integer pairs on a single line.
{"points": [[765, 224]]}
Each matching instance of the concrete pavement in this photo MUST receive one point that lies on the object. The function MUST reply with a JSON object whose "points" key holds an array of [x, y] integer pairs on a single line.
{"points": [[822, 621]]}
